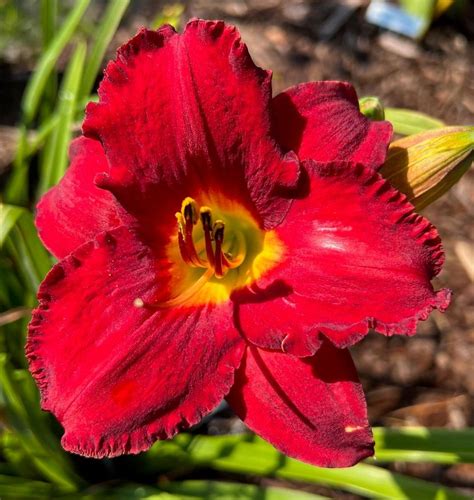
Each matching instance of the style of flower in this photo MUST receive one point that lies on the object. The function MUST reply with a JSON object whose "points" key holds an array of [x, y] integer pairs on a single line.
{"points": [[218, 242]]}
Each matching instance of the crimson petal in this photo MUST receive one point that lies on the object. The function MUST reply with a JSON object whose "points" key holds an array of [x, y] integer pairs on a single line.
{"points": [[116, 376], [321, 121], [357, 256], [312, 409], [183, 114], [75, 210]]}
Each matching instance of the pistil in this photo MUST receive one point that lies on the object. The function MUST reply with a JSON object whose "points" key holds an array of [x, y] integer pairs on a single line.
{"points": [[218, 230]]}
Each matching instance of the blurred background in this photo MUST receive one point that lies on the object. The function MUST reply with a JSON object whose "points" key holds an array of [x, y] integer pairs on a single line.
{"points": [[426, 66]]}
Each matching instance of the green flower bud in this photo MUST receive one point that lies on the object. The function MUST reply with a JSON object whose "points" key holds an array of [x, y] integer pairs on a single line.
{"points": [[424, 166], [372, 108]]}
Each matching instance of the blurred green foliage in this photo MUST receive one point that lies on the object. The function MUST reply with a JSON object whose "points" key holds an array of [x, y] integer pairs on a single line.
{"points": [[32, 462], [17, 21]]}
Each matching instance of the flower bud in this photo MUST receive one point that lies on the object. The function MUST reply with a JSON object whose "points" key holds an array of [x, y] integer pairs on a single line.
{"points": [[372, 108], [424, 166]]}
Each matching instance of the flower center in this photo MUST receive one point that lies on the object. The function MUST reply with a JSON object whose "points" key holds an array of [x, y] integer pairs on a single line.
{"points": [[215, 259], [214, 252]]}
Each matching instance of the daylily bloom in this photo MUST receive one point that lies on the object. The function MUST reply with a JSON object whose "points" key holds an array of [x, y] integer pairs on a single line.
{"points": [[216, 242]]}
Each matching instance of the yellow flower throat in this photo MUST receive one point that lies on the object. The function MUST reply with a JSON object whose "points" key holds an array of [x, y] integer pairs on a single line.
{"points": [[216, 251]]}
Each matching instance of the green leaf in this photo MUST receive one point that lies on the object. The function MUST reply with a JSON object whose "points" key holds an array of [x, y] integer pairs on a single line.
{"points": [[103, 35], [421, 444], [47, 127], [16, 191], [48, 19], [194, 490], [12, 487], [9, 216], [42, 133], [46, 64], [219, 490], [23, 264], [11, 290], [128, 491], [31, 427], [22, 243], [407, 122], [54, 164], [237, 455], [15, 456]]}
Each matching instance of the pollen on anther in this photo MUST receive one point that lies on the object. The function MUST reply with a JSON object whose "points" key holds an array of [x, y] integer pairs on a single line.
{"points": [[189, 209], [180, 220], [218, 230], [206, 217]]}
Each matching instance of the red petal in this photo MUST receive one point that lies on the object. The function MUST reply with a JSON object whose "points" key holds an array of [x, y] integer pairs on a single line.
{"points": [[118, 377], [75, 210], [357, 257], [312, 409], [321, 121], [179, 114]]}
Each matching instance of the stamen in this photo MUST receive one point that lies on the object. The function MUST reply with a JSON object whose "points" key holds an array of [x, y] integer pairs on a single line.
{"points": [[189, 209], [189, 214], [181, 242], [182, 297], [206, 220], [218, 230], [216, 260]]}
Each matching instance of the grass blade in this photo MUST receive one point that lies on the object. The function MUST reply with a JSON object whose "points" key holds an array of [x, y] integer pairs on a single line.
{"points": [[36, 85], [103, 35], [48, 20], [216, 490], [9, 216], [23, 245], [16, 191], [46, 128], [20, 487], [420, 444], [237, 455], [55, 163], [35, 436]]}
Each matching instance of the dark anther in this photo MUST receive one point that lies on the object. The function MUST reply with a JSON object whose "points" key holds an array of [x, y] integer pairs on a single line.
{"points": [[219, 231]]}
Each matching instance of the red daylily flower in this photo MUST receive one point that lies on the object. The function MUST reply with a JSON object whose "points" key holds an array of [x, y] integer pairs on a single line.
{"points": [[216, 242]]}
